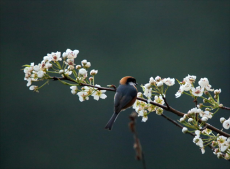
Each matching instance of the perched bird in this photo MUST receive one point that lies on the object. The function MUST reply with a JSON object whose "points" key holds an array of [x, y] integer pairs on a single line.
{"points": [[126, 95]]}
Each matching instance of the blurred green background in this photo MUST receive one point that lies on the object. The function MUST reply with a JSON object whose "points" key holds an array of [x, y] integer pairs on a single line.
{"points": [[53, 130]]}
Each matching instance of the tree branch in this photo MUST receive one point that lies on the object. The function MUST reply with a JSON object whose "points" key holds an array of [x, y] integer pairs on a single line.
{"points": [[167, 108], [224, 107], [137, 143]]}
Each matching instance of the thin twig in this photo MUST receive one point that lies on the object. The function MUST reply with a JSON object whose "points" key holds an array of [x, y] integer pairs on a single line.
{"points": [[195, 101], [166, 103], [224, 107]]}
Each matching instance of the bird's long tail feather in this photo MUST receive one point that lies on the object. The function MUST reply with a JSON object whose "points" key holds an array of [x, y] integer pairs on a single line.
{"points": [[109, 125]]}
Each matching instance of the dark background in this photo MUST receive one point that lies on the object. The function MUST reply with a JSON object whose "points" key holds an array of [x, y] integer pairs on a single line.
{"points": [[52, 129]]}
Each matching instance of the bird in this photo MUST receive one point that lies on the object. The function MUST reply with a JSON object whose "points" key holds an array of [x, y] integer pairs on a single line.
{"points": [[125, 97]]}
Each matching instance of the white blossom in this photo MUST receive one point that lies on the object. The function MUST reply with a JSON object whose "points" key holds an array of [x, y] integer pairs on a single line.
{"points": [[55, 56], [34, 88], [143, 113], [197, 132], [222, 119], [198, 91], [70, 54], [83, 96], [179, 92], [99, 94], [190, 79], [73, 89], [148, 91], [202, 150], [68, 72], [226, 124], [207, 131], [203, 82], [169, 81], [159, 111], [159, 84], [186, 86], [198, 141], [93, 72], [217, 91], [152, 81], [205, 114], [159, 99]]}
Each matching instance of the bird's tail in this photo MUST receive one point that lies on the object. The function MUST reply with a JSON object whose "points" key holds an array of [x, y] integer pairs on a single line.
{"points": [[109, 125]]}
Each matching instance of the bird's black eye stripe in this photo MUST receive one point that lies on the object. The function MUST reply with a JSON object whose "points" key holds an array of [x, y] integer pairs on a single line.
{"points": [[131, 80]]}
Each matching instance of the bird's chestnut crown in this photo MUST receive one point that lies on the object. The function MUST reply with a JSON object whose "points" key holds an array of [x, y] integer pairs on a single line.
{"points": [[128, 80]]}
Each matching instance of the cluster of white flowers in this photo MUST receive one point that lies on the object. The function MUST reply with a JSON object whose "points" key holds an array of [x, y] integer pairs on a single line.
{"points": [[192, 116], [154, 88], [226, 123], [222, 149], [143, 108], [38, 72], [198, 141], [88, 91], [51, 61], [155, 84], [188, 85]]}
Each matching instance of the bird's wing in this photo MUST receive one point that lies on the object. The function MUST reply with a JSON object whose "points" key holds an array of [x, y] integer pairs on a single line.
{"points": [[121, 101]]}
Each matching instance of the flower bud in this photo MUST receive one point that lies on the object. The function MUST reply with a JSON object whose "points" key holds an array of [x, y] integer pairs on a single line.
{"points": [[204, 119], [214, 143], [205, 100], [207, 109], [82, 71], [158, 78], [207, 93], [61, 71], [222, 119], [200, 105], [139, 94], [87, 65], [184, 129], [217, 91], [182, 119], [91, 78], [159, 84], [190, 120], [78, 66], [83, 62], [71, 67]]}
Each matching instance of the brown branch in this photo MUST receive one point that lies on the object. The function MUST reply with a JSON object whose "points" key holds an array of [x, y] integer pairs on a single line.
{"points": [[195, 101], [166, 102], [137, 144], [178, 125], [167, 108], [224, 107]]}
